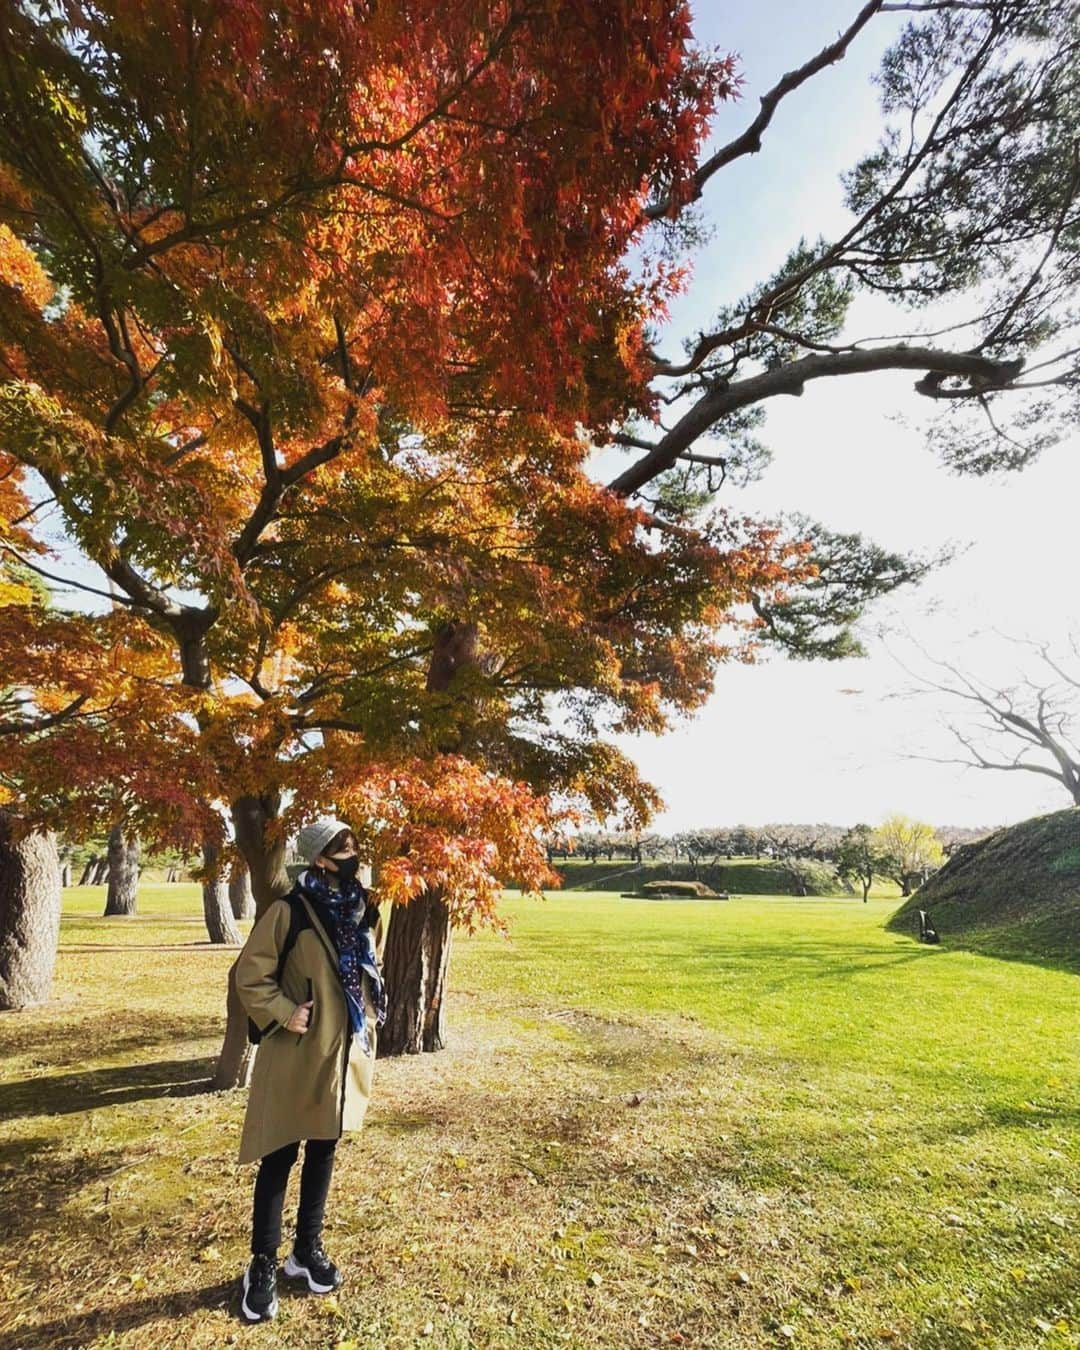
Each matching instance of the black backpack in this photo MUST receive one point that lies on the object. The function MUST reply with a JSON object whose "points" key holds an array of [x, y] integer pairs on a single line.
{"points": [[298, 921]]}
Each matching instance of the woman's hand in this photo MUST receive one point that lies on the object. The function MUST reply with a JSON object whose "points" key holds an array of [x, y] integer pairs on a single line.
{"points": [[300, 1018]]}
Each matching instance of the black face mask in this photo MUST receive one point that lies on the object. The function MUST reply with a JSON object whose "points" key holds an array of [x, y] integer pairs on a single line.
{"points": [[347, 868]]}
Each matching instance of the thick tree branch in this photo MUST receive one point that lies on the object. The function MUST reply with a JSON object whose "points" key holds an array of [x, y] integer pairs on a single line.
{"points": [[278, 480], [66, 581], [714, 461], [928, 5], [724, 399]]}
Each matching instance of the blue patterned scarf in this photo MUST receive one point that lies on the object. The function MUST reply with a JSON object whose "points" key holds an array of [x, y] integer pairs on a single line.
{"points": [[342, 914]]}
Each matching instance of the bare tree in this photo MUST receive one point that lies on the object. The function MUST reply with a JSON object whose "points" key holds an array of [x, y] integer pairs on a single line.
{"points": [[1028, 727]]}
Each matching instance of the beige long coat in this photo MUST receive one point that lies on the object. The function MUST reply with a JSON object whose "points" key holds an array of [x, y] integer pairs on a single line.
{"points": [[304, 1086]]}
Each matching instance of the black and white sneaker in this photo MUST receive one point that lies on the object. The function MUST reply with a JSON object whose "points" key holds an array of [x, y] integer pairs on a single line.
{"points": [[315, 1266], [259, 1303]]}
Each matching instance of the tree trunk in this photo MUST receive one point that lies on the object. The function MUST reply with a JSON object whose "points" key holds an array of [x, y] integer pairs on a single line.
{"points": [[241, 897], [65, 874], [266, 862], [29, 916], [123, 873], [415, 962], [88, 870], [101, 872], [219, 920], [268, 880]]}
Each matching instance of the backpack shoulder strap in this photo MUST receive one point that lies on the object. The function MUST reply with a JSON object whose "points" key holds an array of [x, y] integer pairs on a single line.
{"points": [[298, 921]]}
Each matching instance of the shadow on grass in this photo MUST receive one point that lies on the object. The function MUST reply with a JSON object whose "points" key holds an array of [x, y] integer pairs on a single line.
{"points": [[58, 1043], [883, 963], [1002, 949], [64, 1093], [1014, 1116], [1049, 942], [66, 948], [37, 1179], [86, 1327]]}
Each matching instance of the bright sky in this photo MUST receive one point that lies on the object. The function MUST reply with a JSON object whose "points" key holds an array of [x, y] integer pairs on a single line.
{"points": [[785, 741]]}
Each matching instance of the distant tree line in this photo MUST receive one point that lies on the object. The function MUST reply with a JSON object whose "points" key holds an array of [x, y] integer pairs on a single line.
{"points": [[900, 849]]}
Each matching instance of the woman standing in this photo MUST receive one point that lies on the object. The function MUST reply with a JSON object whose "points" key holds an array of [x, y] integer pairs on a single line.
{"points": [[309, 980]]}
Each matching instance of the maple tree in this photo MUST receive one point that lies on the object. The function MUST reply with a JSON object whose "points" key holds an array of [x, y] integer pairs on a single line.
{"points": [[309, 321], [302, 319]]}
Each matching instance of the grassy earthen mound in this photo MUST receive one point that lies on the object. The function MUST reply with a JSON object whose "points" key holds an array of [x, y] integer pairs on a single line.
{"points": [[1014, 893], [676, 890]]}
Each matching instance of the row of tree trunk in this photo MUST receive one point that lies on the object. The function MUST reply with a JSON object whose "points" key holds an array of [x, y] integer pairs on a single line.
{"points": [[415, 957], [119, 867], [96, 870]]}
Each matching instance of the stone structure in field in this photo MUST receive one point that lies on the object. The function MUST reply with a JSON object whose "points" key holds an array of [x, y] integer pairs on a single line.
{"points": [[678, 890]]}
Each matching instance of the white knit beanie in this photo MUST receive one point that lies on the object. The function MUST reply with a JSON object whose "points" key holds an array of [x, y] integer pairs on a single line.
{"points": [[313, 838]]}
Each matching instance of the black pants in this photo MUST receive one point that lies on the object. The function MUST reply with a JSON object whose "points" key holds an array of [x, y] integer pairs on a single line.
{"points": [[270, 1183]]}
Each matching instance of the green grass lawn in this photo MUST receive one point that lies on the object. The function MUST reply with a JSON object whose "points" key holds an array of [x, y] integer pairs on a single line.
{"points": [[749, 1123]]}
